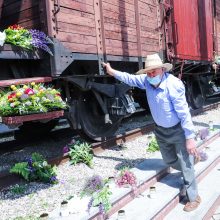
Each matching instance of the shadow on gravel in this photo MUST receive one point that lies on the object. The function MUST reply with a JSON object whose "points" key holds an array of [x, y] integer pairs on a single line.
{"points": [[23, 189], [139, 163], [200, 124]]}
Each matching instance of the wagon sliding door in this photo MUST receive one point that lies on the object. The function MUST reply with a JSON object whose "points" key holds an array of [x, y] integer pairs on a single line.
{"points": [[193, 29]]}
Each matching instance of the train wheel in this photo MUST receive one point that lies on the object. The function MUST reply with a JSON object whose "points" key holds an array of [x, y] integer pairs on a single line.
{"points": [[196, 98], [92, 119]]}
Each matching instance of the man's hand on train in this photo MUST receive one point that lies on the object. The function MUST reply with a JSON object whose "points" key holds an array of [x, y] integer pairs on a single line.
{"points": [[109, 69]]}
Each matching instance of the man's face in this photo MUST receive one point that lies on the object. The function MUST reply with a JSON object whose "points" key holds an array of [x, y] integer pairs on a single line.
{"points": [[154, 72]]}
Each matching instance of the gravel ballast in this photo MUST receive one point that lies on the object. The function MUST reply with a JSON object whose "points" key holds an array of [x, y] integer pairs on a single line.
{"points": [[28, 201]]}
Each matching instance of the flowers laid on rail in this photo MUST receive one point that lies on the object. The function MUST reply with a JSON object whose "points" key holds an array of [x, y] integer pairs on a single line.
{"points": [[29, 99], [80, 152], [153, 145], [100, 193], [36, 168], [126, 177], [28, 39]]}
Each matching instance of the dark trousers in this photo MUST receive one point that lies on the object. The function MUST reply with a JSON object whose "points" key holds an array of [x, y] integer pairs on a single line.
{"points": [[172, 145]]}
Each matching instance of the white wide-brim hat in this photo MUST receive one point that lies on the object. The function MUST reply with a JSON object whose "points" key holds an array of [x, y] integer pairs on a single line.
{"points": [[153, 61]]}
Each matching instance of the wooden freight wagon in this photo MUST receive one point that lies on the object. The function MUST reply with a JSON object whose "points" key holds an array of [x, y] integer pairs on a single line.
{"points": [[123, 32]]}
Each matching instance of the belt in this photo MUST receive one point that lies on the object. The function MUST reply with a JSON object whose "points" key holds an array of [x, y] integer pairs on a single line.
{"points": [[175, 126]]}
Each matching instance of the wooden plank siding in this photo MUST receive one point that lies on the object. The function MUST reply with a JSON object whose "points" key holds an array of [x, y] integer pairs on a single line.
{"points": [[75, 25], [149, 27], [120, 28], [24, 13]]}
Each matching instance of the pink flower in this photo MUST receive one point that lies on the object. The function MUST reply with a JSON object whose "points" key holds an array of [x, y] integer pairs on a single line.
{"points": [[29, 91]]}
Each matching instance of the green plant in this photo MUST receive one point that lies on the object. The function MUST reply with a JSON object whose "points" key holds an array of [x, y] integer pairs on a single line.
{"points": [[18, 36], [153, 145], [18, 189], [36, 168], [80, 152], [101, 198]]}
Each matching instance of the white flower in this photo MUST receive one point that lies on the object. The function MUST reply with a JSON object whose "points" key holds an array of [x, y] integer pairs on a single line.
{"points": [[37, 99], [45, 164], [2, 38], [12, 104], [28, 103]]}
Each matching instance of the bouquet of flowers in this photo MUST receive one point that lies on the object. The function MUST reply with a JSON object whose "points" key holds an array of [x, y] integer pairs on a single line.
{"points": [[126, 177], [36, 168], [100, 193], [29, 99], [28, 39]]}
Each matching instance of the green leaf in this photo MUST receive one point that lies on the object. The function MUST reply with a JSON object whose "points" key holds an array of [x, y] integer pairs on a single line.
{"points": [[21, 169]]}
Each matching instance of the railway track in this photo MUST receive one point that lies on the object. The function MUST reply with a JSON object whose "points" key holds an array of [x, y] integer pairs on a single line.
{"points": [[7, 179]]}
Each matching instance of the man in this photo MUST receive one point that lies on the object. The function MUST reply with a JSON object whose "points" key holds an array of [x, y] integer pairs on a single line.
{"points": [[174, 128]]}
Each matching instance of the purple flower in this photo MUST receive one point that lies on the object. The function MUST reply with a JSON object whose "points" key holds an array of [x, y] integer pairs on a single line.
{"points": [[66, 149], [90, 204], [203, 156], [72, 142], [40, 40], [95, 183], [53, 179], [30, 162], [101, 208]]}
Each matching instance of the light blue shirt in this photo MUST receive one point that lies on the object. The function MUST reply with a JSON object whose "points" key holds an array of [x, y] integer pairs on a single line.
{"points": [[167, 102]]}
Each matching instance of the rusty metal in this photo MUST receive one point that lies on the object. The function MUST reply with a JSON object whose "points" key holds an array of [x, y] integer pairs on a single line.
{"points": [[138, 31], [100, 38], [5, 83], [167, 23], [119, 139], [13, 120]]}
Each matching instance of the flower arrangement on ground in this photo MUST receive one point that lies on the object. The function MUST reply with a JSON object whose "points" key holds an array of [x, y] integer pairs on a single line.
{"points": [[100, 193], [80, 152], [29, 99], [126, 177], [153, 145], [27, 39], [36, 168]]}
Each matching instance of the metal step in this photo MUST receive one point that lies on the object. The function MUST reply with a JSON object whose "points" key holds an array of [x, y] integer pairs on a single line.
{"points": [[9, 51]]}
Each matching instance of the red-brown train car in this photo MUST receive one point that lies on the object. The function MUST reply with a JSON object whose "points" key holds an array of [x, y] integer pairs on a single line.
{"points": [[123, 32]]}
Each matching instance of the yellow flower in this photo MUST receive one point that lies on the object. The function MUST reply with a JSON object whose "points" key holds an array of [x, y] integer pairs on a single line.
{"points": [[33, 83], [18, 94], [13, 87], [25, 87]]}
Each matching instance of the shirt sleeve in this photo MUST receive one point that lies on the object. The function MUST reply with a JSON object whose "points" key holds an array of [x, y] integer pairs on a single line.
{"points": [[178, 98], [131, 80]]}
